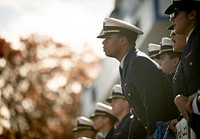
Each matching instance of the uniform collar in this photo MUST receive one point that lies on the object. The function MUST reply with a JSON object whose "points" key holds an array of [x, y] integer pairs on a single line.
{"points": [[189, 35], [122, 61]]}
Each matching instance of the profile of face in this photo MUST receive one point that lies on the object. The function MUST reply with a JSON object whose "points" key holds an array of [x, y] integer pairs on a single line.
{"points": [[182, 21], [112, 45], [118, 105], [168, 64], [99, 122], [179, 41]]}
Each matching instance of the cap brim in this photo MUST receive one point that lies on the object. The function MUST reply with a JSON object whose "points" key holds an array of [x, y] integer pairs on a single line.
{"points": [[101, 36], [171, 27], [109, 100], [170, 9]]}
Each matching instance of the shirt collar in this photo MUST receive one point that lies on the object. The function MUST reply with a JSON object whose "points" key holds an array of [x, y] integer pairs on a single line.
{"points": [[189, 35], [122, 61]]}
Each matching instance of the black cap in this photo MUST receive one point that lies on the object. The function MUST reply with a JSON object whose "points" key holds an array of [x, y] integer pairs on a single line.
{"points": [[182, 5]]}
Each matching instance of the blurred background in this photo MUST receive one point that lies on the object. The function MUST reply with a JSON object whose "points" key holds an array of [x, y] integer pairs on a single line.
{"points": [[52, 67]]}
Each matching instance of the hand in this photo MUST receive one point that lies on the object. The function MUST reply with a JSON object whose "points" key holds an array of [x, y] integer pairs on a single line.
{"points": [[189, 102], [181, 102], [172, 125]]}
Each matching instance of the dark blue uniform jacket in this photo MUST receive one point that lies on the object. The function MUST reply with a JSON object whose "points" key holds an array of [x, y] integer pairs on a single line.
{"points": [[147, 90]]}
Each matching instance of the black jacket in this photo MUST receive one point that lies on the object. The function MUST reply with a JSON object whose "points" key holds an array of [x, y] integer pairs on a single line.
{"points": [[147, 90], [123, 130], [191, 73], [191, 63], [110, 133]]}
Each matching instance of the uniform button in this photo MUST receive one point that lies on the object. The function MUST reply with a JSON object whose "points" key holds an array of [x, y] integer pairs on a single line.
{"points": [[125, 84], [138, 119], [129, 94], [198, 99], [146, 127], [190, 63]]}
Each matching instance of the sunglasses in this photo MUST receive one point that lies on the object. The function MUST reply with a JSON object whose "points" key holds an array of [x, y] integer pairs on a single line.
{"points": [[174, 14]]}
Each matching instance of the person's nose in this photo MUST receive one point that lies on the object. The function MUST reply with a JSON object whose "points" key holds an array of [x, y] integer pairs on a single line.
{"points": [[103, 42], [171, 19]]}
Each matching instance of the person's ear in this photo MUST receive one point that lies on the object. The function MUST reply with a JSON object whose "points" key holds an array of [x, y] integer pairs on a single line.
{"points": [[193, 14], [123, 40], [176, 61]]}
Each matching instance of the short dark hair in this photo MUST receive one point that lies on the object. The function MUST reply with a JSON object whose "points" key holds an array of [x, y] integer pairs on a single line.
{"points": [[194, 7], [131, 39]]}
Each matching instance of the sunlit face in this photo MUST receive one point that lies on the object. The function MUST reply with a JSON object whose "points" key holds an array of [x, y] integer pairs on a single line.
{"points": [[112, 45], [118, 105], [181, 22], [99, 122], [179, 41], [167, 63]]}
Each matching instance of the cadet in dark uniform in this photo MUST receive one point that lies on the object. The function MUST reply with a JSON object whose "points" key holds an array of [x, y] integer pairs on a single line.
{"points": [[178, 46], [104, 120], [153, 52], [84, 128], [143, 82], [185, 17], [121, 109], [168, 58]]}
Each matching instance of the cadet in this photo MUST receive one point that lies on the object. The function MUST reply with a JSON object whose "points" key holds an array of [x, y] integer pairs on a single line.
{"points": [[185, 17], [153, 52], [143, 82], [84, 128], [121, 109], [178, 46], [169, 59], [104, 120]]}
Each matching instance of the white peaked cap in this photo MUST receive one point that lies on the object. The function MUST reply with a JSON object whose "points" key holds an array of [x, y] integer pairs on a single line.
{"points": [[104, 110], [153, 47], [103, 107], [84, 121], [117, 89], [113, 25], [123, 24], [116, 93], [167, 41]]}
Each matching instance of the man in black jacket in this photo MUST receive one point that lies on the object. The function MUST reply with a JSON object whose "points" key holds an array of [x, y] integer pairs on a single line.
{"points": [[143, 82], [185, 17], [121, 109], [104, 120]]}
